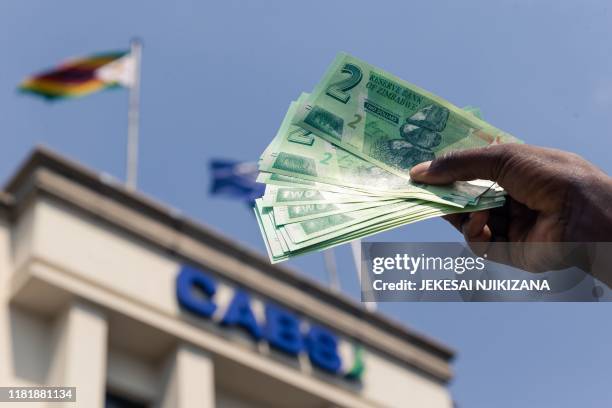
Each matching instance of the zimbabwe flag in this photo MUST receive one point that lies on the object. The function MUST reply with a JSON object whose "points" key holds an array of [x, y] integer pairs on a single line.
{"points": [[82, 76]]}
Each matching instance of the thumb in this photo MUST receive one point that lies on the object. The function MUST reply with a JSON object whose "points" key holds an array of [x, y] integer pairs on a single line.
{"points": [[487, 163]]}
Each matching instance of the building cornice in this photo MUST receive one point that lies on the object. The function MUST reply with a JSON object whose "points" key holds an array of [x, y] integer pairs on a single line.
{"points": [[6, 203]]}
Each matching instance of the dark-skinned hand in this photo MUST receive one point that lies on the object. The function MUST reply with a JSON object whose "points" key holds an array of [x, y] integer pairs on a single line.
{"points": [[553, 196]]}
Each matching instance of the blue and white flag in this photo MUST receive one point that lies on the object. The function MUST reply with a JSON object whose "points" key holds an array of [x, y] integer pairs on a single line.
{"points": [[235, 179]]}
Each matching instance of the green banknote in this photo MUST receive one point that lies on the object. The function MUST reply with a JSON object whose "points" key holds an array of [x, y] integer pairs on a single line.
{"points": [[473, 110], [322, 227], [290, 214], [390, 122], [327, 234], [321, 161], [289, 181], [299, 153], [277, 250], [277, 195], [337, 169]]}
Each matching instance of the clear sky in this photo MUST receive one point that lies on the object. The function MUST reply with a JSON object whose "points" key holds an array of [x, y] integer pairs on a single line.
{"points": [[218, 78]]}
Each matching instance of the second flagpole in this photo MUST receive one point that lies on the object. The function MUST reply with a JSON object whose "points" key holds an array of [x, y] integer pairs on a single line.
{"points": [[133, 118]]}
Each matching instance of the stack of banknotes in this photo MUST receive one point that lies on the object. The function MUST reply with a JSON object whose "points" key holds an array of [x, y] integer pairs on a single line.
{"points": [[338, 168]]}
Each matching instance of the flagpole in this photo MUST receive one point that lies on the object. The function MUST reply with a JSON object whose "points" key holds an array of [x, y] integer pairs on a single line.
{"points": [[356, 249], [332, 271], [133, 118]]}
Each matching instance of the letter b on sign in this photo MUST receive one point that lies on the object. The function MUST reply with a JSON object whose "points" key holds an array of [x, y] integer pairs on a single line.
{"points": [[283, 330]]}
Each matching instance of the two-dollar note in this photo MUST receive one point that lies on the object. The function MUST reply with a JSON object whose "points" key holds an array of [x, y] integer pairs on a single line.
{"points": [[388, 121]]}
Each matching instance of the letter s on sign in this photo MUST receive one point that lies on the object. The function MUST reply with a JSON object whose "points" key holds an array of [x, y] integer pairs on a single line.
{"points": [[323, 349]]}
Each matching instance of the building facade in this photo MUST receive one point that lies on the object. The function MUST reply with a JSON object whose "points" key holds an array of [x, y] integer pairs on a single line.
{"points": [[137, 306]]}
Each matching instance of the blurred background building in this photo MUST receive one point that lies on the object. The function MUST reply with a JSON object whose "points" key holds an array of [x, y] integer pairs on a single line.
{"points": [[137, 306]]}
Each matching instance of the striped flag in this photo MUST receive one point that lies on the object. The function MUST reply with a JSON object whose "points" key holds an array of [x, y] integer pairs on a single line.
{"points": [[83, 76]]}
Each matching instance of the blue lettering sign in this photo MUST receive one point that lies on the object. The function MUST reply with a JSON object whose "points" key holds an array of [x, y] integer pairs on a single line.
{"points": [[194, 291], [283, 330], [239, 313], [322, 348]]}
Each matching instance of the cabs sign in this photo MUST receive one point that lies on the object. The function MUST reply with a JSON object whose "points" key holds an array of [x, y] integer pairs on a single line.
{"points": [[281, 329]]}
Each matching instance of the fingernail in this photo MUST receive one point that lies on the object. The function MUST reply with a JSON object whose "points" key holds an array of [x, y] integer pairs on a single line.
{"points": [[420, 169]]}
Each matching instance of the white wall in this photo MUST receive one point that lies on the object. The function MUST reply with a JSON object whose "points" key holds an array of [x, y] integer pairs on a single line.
{"points": [[400, 386], [80, 353], [188, 379], [36, 350], [25, 351]]}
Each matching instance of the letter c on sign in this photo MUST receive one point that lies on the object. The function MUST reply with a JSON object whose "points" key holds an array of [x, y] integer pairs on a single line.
{"points": [[189, 281]]}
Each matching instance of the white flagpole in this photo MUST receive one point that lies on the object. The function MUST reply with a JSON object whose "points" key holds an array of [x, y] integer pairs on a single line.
{"points": [[332, 271], [133, 118], [356, 249]]}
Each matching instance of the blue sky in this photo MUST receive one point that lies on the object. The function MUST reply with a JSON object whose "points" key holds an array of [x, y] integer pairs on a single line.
{"points": [[218, 78]]}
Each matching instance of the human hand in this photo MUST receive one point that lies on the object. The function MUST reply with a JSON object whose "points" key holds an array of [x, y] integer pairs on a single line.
{"points": [[554, 196]]}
